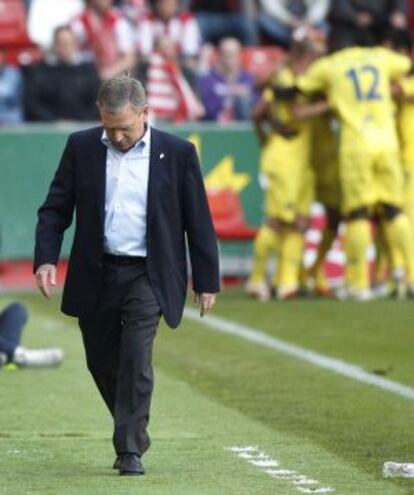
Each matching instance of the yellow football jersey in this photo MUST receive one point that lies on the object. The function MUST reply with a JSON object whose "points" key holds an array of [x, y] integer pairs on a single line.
{"points": [[280, 109], [357, 83], [406, 124], [285, 161]]}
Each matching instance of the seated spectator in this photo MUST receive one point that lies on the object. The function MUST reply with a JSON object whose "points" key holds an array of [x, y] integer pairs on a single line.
{"points": [[105, 34], [10, 93], [227, 91], [166, 19], [367, 18], [278, 19], [62, 87], [170, 96], [226, 18]]}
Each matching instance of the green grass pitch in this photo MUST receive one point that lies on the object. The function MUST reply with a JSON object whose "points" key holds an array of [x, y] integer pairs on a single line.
{"points": [[216, 391]]}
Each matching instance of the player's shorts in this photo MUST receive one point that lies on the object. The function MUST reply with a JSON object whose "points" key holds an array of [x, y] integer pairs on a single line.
{"points": [[285, 168], [368, 178], [327, 185]]}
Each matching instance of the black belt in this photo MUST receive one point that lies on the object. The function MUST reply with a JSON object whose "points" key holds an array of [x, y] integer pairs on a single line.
{"points": [[123, 260]]}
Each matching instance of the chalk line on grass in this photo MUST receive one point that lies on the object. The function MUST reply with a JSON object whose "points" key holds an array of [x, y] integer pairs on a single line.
{"points": [[266, 464], [321, 361]]}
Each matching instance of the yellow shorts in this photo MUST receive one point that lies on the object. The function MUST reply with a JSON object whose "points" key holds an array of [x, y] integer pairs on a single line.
{"points": [[289, 189], [327, 185], [368, 178]]}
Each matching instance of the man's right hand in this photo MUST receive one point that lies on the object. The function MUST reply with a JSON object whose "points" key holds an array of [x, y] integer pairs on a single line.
{"points": [[45, 278]]}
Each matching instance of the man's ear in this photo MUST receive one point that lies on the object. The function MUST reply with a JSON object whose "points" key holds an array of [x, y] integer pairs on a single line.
{"points": [[146, 112]]}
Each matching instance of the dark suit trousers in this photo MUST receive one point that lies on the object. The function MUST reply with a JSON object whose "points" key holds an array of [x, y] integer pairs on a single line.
{"points": [[118, 338]]}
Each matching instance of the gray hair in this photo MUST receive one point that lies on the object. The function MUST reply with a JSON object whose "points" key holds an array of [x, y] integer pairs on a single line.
{"points": [[119, 91]]}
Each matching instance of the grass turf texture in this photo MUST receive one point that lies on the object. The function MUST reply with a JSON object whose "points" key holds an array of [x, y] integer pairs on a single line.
{"points": [[214, 391]]}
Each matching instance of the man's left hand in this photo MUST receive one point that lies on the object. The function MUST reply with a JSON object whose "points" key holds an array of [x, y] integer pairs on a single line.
{"points": [[205, 301]]}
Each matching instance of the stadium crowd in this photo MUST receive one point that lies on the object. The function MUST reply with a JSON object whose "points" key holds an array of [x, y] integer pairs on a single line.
{"points": [[199, 58], [332, 105]]}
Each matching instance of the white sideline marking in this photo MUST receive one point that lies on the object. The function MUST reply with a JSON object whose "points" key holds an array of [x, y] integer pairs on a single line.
{"points": [[261, 460], [336, 365]]}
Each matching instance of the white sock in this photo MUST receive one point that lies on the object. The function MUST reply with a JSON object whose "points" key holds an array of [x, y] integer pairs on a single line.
{"points": [[37, 358]]}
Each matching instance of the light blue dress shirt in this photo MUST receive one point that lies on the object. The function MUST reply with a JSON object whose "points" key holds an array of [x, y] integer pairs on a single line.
{"points": [[126, 198]]}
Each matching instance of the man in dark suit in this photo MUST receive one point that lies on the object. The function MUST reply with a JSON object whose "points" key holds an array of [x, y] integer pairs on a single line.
{"points": [[138, 195]]}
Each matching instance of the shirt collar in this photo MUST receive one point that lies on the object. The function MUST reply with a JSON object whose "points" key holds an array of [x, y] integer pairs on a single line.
{"points": [[143, 145]]}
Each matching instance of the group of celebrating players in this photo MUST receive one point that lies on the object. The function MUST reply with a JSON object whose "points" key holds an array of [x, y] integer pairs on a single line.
{"points": [[336, 125]]}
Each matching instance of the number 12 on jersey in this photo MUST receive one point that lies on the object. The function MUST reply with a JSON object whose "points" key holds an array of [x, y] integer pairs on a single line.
{"points": [[365, 72]]}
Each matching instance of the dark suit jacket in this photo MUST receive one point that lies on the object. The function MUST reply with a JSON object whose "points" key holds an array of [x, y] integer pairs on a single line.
{"points": [[177, 210]]}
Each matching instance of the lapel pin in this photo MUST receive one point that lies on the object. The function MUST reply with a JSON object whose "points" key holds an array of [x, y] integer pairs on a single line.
{"points": [[162, 156]]}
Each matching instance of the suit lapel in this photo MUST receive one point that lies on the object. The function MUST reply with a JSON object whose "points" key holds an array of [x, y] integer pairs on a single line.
{"points": [[99, 168], [156, 156]]}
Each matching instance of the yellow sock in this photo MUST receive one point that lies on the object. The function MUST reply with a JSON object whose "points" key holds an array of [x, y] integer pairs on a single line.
{"points": [[357, 241], [401, 244], [290, 259], [265, 244]]}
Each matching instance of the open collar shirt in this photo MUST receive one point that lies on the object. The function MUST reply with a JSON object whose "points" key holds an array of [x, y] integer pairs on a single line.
{"points": [[126, 197]]}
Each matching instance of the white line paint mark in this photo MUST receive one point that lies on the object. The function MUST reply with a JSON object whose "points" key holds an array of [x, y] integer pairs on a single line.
{"points": [[317, 490], [336, 365], [263, 461]]}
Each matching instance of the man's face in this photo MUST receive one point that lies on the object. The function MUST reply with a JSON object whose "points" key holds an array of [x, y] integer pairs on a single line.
{"points": [[230, 57], [100, 6], [166, 9], [64, 46], [125, 127]]}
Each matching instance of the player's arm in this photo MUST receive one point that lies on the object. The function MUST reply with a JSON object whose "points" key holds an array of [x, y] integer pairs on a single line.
{"points": [[307, 111]]}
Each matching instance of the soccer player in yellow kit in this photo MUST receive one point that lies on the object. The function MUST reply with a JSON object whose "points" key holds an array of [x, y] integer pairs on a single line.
{"points": [[327, 192], [285, 166], [400, 41], [403, 91], [357, 82]]}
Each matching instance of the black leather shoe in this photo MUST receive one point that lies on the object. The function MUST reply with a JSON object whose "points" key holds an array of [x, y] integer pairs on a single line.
{"points": [[130, 465], [144, 448]]}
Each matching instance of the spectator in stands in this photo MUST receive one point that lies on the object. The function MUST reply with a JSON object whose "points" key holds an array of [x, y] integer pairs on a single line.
{"points": [[62, 87], [13, 319], [278, 19], [169, 93], [223, 18], [166, 19], [134, 10], [367, 19], [10, 93], [105, 34], [227, 91]]}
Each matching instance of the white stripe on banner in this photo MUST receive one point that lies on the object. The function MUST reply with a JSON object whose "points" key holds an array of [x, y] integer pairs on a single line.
{"points": [[336, 365]]}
